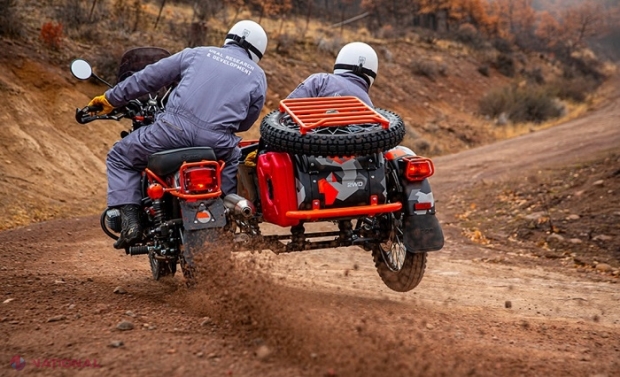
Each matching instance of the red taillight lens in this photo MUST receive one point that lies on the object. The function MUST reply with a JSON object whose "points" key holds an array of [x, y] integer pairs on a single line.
{"points": [[422, 206], [418, 168], [202, 179]]}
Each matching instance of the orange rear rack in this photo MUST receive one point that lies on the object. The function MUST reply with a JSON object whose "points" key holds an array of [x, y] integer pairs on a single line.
{"points": [[315, 112], [176, 191]]}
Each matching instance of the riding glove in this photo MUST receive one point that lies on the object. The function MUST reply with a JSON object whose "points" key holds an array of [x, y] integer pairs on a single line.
{"points": [[106, 108]]}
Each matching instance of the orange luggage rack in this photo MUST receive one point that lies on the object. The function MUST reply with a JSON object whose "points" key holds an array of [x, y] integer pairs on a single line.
{"points": [[315, 112]]}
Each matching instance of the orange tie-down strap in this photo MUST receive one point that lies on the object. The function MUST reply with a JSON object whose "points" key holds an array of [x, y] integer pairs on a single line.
{"points": [[314, 112]]}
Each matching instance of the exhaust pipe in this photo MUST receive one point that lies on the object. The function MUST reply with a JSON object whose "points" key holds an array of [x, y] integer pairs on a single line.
{"points": [[239, 205]]}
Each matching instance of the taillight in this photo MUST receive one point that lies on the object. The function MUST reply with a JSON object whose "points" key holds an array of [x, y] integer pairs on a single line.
{"points": [[200, 180], [418, 168], [422, 206]]}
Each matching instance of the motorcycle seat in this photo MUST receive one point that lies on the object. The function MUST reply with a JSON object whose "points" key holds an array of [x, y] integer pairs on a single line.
{"points": [[167, 162]]}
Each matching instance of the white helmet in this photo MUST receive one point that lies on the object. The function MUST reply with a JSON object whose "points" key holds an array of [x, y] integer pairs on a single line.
{"points": [[359, 58], [249, 35]]}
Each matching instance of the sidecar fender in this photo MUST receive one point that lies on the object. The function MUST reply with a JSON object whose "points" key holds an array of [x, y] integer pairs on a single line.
{"points": [[421, 228], [422, 233]]}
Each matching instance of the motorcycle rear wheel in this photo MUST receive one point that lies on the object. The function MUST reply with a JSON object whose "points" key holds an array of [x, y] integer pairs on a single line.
{"points": [[280, 133], [161, 268], [196, 242], [192, 243]]}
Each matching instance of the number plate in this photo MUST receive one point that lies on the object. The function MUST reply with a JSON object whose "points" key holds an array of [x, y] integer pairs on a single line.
{"points": [[203, 214]]}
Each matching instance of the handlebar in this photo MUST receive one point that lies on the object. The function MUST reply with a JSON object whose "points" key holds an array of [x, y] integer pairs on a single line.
{"points": [[141, 113], [88, 114]]}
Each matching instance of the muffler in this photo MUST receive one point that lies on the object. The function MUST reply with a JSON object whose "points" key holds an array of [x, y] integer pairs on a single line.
{"points": [[239, 205]]}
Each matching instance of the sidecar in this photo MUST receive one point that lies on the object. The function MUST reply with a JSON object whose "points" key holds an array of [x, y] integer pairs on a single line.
{"points": [[338, 160]]}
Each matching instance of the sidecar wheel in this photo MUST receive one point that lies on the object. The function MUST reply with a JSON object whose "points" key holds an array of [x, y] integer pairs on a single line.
{"points": [[408, 277], [281, 134], [400, 269]]}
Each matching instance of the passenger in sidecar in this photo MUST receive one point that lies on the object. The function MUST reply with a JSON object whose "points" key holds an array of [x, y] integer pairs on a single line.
{"points": [[327, 153]]}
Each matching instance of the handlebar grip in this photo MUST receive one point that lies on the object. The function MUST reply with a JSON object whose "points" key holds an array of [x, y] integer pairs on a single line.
{"points": [[83, 116], [89, 113]]}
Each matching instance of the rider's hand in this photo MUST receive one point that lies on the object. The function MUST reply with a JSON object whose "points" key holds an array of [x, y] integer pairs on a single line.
{"points": [[101, 101]]}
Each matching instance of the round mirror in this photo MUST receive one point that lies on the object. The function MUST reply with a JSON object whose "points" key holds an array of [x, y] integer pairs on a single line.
{"points": [[81, 69]]}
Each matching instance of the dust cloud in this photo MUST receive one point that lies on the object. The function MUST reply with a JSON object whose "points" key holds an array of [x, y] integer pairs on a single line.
{"points": [[236, 293]]}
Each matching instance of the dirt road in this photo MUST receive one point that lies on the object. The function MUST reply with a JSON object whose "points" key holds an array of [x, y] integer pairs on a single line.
{"points": [[69, 298]]}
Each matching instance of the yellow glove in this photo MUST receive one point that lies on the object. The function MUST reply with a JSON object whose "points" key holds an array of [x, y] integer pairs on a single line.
{"points": [[250, 160], [106, 108]]}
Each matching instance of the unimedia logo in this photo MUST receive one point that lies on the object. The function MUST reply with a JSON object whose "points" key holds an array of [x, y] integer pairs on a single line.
{"points": [[18, 362]]}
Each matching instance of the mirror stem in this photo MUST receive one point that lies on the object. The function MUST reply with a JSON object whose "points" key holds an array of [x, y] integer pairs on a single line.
{"points": [[102, 80]]}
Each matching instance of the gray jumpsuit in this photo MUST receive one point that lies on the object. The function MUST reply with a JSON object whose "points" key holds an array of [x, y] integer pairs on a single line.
{"points": [[331, 85], [220, 91]]}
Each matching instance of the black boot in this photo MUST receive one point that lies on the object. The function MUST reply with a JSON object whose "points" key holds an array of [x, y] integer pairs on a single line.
{"points": [[131, 226]]}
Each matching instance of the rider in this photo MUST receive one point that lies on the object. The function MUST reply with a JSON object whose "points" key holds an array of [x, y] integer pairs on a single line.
{"points": [[355, 71], [220, 91]]}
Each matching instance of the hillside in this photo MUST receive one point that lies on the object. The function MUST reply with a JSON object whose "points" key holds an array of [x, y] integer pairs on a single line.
{"points": [[53, 167]]}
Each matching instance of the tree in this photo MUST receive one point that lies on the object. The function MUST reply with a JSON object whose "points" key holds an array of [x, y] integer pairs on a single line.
{"points": [[548, 30], [581, 22], [271, 7], [471, 12], [515, 20], [10, 22]]}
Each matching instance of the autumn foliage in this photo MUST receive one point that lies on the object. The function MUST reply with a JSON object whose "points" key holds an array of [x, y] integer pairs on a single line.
{"points": [[51, 34], [517, 21]]}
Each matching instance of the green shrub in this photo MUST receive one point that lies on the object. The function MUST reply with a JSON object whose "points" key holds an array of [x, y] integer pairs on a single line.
{"points": [[106, 65], [534, 75], [574, 89], [73, 13], [502, 45], [469, 35], [505, 64], [10, 22], [428, 68], [520, 104], [484, 70]]}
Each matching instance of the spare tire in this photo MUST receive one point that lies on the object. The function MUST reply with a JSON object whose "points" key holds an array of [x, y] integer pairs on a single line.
{"points": [[281, 134]]}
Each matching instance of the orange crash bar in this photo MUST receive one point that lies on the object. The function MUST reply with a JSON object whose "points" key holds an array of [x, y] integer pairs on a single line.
{"points": [[317, 214]]}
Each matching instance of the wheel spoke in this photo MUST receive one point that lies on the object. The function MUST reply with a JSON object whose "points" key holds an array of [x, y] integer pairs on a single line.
{"points": [[394, 251]]}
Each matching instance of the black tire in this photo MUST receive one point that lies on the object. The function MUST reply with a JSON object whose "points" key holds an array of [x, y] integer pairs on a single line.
{"points": [[281, 134], [196, 242], [161, 268], [193, 242], [409, 275], [400, 269]]}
